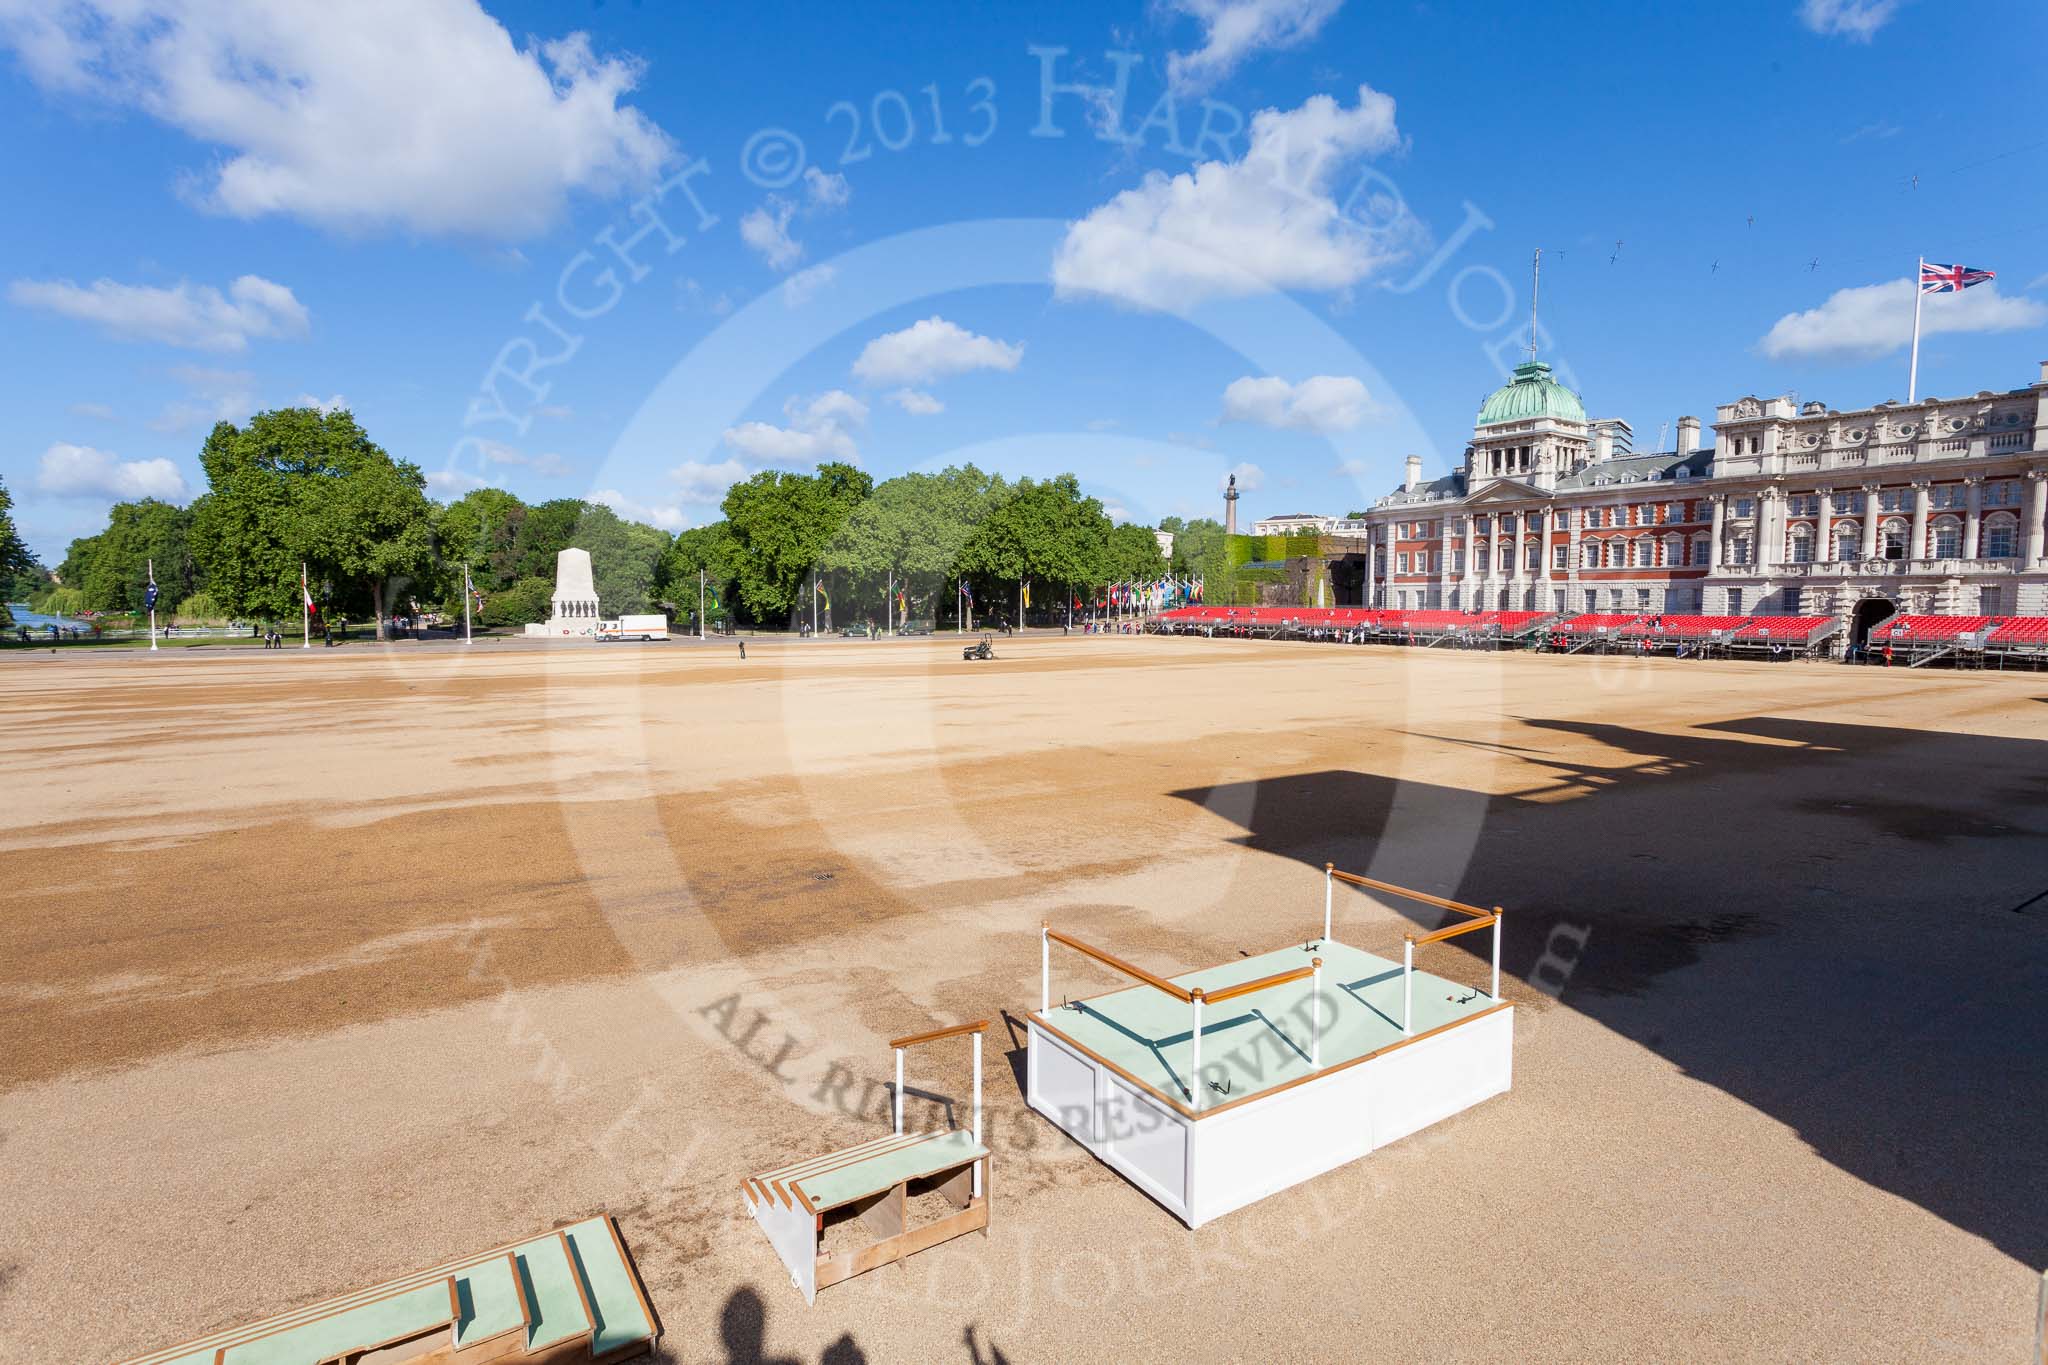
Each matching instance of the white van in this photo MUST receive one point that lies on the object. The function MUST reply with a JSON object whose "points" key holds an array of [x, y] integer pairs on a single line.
{"points": [[653, 626]]}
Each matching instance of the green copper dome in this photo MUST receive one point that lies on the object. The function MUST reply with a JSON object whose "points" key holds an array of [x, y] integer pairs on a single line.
{"points": [[1531, 395]]}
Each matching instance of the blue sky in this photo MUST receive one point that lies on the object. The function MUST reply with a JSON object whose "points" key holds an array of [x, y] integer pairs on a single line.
{"points": [[405, 207]]}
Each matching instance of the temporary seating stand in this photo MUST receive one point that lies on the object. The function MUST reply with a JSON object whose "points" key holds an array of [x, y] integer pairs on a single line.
{"points": [[567, 1295], [871, 1184]]}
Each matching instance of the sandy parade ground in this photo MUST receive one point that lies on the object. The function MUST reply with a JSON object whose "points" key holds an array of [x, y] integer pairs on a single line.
{"points": [[319, 967]]}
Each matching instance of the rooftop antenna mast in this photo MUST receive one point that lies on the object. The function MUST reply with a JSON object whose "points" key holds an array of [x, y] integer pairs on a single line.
{"points": [[1535, 294]]}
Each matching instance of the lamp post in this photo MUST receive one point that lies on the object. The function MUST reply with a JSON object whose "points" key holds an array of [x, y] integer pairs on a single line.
{"points": [[150, 596]]}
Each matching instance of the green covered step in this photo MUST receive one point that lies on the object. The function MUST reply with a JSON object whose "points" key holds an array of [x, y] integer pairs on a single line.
{"points": [[572, 1284], [888, 1167]]}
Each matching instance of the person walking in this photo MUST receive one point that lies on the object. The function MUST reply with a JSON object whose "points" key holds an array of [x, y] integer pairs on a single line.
{"points": [[743, 651]]}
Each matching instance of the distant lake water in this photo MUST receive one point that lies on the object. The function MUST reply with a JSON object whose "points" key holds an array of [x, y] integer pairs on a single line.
{"points": [[35, 620]]}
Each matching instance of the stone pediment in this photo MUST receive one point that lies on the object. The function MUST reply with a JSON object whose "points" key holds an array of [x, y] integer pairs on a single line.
{"points": [[1505, 490]]}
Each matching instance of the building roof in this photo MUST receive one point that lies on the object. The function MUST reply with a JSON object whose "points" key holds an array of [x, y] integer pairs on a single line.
{"points": [[1624, 469], [1530, 395]]}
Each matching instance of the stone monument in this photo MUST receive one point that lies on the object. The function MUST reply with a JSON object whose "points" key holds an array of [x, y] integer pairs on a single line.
{"points": [[575, 600]]}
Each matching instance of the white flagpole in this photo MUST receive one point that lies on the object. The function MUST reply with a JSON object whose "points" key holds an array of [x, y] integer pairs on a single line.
{"points": [[152, 605], [1913, 374], [305, 610], [700, 603], [467, 594]]}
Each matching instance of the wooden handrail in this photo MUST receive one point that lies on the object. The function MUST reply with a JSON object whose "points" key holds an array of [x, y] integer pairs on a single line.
{"points": [[1159, 983], [1423, 896], [914, 1039], [1276, 979], [1452, 932]]}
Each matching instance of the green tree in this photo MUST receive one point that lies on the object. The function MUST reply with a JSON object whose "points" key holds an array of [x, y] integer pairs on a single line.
{"points": [[625, 559], [1131, 555], [781, 526], [300, 486], [112, 568], [16, 563], [526, 601], [481, 529], [914, 529], [545, 531], [1046, 532], [713, 550]]}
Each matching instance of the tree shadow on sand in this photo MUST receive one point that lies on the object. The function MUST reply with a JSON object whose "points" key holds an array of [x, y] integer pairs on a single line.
{"points": [[1839, 925]]}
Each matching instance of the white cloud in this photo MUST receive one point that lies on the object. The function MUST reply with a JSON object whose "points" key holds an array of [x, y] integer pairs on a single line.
{"points": [[332, 403], [453, 483], [215, 396], [1856, 20], [1249, 478], [1876, 319], [666, 516], [766, 230], [1236, 228], [97, 411], [69, 471], [826, 189], [198, 316], [821, 429], [1116, 512], [425, 117], [932, 349], [1103, 423], [558, 412], [1323, 403], [798, 288], [1233, 30], [916, 402], [699, 481], [548, 466], [695, 295]]}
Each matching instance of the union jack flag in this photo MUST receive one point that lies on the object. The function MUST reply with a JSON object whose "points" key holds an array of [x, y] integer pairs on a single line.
{"points": [[1950, 279]]}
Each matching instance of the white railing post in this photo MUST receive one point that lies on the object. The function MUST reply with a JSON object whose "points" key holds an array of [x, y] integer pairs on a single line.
{"points": [[1044, 968], [1496, 952], [899, 1092], [1315, 1000], [1408, 989], [1329, 886], [1195, 1067], [977, 1109]]}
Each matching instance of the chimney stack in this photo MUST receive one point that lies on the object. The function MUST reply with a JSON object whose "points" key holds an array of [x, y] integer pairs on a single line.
{"points": [[1414, 474], [2044, 372], [1688, 435]]}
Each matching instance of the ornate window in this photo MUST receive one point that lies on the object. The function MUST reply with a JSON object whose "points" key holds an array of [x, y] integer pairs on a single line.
{"points": [[1891, 540], [1700, 544], [1946, 537], [1802, 545], [2001, 538], [1848, 540]]}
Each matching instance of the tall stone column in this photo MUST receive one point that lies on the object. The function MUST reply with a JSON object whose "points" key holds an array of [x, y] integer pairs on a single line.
{"points": [[1920, 504], [1824, 533], [1443, 573], [1973, 515], [2037, 512], [1770, 528], [1720, 501], [1870, 516]]}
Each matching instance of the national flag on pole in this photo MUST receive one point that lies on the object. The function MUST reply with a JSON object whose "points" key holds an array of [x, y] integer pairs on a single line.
{"points": [[1950, 279]]}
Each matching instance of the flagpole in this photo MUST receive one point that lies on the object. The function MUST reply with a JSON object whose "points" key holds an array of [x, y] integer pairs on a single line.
{"points": [[305, 610], [152, 606], [1913, 374], [700, 602], [468, 593]]}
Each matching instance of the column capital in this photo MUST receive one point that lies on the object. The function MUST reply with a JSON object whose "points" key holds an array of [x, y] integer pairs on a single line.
{"points": [[1972, 480]]}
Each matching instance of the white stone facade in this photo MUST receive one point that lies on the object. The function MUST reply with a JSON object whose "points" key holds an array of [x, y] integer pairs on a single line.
{"points": [[1941, 506]]}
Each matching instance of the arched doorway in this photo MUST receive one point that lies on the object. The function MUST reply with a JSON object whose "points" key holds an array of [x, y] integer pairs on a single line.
{"points": [[1869, 612]]}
